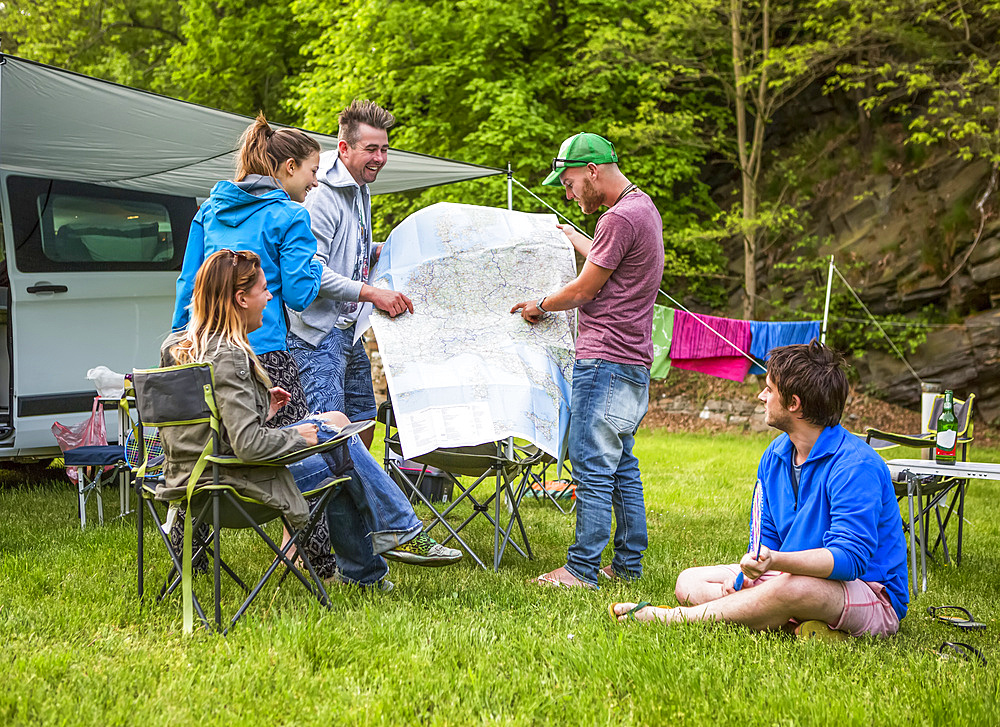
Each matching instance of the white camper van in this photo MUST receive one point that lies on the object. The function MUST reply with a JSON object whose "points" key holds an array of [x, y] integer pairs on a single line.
{"points": [[98, 186]]}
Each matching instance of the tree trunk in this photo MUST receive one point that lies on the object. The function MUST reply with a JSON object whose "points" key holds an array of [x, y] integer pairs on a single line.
{"points": [[746, 177]]}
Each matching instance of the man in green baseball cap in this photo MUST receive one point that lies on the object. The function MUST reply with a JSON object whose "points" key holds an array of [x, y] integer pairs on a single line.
{"points": [[614, 292], [580, 150]]}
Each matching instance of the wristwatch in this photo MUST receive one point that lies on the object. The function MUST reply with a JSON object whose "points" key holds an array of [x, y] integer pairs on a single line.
{"points": [[539, 304]]}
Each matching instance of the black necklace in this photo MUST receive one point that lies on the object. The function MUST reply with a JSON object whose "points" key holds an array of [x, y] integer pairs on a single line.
{"points": [[625, 191]]}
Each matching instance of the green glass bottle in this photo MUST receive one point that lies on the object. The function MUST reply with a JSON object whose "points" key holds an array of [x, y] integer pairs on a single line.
{"points": [[947, 432]]}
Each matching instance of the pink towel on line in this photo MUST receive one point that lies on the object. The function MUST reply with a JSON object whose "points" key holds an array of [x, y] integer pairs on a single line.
{"points": [[695, 348]]}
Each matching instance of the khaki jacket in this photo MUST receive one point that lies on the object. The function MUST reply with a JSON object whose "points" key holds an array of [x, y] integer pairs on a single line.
{"points": [[243, 402]]}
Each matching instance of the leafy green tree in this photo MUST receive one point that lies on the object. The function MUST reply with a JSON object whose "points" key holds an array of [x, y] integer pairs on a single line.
{"points": [[126, 41], [236, 56], [744, 61], [488, 82], [935, 64]]}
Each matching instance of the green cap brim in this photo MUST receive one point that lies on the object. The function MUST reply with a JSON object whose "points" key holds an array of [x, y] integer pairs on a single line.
{"points": [[553, 179]]}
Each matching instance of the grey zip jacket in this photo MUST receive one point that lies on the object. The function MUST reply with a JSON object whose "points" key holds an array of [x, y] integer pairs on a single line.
{"points": [[334, 208]]}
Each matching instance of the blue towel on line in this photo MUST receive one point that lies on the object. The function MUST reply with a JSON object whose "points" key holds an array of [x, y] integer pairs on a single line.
{"points": [[765, 335]]}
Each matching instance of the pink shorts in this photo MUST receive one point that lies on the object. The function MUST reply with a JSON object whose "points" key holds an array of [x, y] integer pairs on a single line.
{"points": [[867, 608]]}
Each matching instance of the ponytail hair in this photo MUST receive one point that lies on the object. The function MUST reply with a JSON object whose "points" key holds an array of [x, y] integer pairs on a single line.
{"points": [[214, 312], [263, 150]]}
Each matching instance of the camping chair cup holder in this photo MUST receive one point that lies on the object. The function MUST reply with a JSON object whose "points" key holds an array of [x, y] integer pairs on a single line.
{"points": [[932, 493], [185, 396], [507, 464]]}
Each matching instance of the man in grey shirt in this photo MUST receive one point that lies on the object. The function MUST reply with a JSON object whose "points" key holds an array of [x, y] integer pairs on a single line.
{"points": [[335, 372]]}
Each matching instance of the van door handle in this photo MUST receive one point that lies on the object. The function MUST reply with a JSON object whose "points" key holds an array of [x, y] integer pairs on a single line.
{"points": [[47, 288]]}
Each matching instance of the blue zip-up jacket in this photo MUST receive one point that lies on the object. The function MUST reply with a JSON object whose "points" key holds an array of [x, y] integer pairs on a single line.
{"points": [[845, 503], [269, 224]]}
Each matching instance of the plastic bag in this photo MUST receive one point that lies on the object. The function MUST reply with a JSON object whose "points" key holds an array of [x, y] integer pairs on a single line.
{"points": [[107, 382], [91, 431]]}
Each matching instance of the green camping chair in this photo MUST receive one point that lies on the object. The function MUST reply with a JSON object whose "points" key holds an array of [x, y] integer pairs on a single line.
{"points": [[507, 464], [183, 396], [931, 492]]}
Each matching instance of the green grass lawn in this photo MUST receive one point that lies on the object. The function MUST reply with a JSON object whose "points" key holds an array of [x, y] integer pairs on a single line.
{"points": [[463, 646]]}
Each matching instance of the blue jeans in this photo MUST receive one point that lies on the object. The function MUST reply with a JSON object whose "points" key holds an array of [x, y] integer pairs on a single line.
{"points": [[609, 401], [336, 375], [368, 514]]}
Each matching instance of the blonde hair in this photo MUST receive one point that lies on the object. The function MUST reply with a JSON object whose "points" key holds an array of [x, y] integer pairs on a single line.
{"points": [[263, 150], [214, 312]]}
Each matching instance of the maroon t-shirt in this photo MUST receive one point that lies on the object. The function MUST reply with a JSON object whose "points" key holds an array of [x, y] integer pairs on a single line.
{"points": [[617, 325]]}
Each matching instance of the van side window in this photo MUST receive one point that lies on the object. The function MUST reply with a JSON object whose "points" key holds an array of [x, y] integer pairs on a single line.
{"points": [[73, 226], [86, 229]]}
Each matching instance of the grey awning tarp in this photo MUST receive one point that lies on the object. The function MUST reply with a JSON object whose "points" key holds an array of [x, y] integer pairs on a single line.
{"points": [[55, 123]]}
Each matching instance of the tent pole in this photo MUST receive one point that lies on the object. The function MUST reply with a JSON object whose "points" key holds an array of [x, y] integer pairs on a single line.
{"points": [[510, 188], [826, 308]]}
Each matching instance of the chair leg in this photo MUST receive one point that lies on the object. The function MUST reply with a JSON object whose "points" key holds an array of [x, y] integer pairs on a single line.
{"points": [[176, 561], [910, 486], [515, 499], [100, 495], [942, 537], [496, 523], [81, 491], [215, 561], [923, 542], [961, 520], [139, 546]]}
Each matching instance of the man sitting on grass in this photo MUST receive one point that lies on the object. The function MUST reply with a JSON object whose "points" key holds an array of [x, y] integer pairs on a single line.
{"points": [[832, 547]]}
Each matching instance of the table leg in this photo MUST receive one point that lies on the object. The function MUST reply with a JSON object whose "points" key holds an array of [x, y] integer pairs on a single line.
{"points": [[923, 543], [910, 487]]}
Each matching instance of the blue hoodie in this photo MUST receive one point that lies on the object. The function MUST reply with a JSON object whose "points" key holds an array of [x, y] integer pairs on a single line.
{"points": [[845, 503], [273, 226]]}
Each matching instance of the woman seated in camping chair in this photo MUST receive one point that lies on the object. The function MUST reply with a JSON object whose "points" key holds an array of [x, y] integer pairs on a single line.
{"points": [[369, 515]]}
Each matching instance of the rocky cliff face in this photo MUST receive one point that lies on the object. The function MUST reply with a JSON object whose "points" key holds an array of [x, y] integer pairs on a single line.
{"points": [[910, 238], [964, 358]]}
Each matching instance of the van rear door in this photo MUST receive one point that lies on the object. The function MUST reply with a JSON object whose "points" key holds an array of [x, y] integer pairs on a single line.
{"points": [[92, 272]]}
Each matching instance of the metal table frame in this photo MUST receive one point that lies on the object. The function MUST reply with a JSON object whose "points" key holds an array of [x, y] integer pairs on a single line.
{"points": [[124, 426], [913, 470]]}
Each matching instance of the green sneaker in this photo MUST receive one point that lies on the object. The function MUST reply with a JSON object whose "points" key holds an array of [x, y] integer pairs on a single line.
{"points": [[424, 550]]}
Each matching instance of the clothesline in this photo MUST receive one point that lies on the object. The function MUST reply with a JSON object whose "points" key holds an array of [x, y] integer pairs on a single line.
{"points": [[709, 358], [739, 347], [679, 305]]}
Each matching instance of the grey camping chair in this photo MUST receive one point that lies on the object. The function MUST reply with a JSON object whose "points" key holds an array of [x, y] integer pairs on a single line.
{"points": [[184, 396], [506, 464], [560, 492]]}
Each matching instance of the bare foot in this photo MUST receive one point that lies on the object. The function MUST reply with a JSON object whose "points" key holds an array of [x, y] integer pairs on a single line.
{"points": [[647, 614]]}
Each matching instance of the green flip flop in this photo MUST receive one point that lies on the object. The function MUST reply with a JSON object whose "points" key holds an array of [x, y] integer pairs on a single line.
{"points": [[960, 651], [630, 614], [954, 616]]}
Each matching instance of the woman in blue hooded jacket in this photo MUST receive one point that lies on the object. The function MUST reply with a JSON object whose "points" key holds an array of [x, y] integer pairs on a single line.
{"points": [[261, 210]]}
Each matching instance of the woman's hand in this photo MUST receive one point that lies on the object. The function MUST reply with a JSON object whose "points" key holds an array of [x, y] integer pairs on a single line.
{"points": [[279, 397]]}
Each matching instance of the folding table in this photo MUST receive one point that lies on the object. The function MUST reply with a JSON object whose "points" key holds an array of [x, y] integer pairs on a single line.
{"points": [[912, 470]]}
